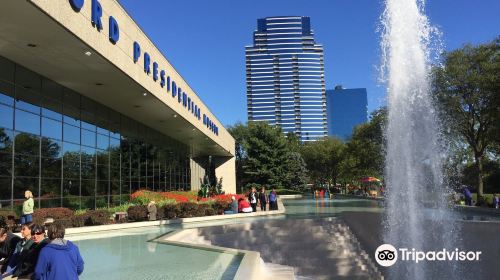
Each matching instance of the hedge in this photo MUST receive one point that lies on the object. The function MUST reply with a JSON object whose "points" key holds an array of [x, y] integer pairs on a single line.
{"points": [[69, 218]]}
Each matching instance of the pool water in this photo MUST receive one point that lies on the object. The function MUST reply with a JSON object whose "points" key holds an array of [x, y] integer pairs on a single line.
{"points": [[132, 253], [135, 256]]}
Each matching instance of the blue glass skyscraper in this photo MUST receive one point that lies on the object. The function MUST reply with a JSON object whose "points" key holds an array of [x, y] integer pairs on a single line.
{"points": [[347, 108], [285, 77]]}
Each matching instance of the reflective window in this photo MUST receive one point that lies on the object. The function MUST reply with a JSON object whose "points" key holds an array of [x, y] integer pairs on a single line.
{"points": [[28, 100], [27, 122], [6, 93], [71, 134], [88, 138], [102, 142], [51, 128], [52, 109], [6, 117]]}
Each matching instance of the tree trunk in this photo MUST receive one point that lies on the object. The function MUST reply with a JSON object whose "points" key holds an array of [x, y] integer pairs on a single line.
{"points": [[479, 165]]}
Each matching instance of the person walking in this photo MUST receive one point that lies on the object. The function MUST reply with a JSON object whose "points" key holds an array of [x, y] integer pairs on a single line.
{"points": [[252, 198], [60, 259], [28, 206], [263, 199]]}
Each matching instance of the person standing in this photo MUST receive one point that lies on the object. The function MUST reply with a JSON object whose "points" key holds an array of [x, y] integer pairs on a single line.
{"points": [[252, 198], [263, 199], [273, 200], [468, 196], [28, 206], [496, 201], [60, 259]]}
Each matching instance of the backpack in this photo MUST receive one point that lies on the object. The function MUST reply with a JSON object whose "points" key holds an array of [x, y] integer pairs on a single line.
{"points": [[272, 197]]}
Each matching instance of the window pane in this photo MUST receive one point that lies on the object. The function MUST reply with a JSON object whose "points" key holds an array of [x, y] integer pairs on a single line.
{"points": [[71, 115], [71, 168], [88, 188], [26, 165], [102, 142], [6, 136], [27, 122], [51, 129], [51, 167], [51, 148], [6, 117], [52, 109], [27, 100], [88, 138], [5, 165], [6, 93], [71, 134], [5, 191], [22, 184], [28, 144]]}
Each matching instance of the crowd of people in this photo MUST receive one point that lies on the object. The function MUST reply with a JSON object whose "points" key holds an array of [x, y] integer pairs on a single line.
{"points": [[38, 254], [254, 199]]}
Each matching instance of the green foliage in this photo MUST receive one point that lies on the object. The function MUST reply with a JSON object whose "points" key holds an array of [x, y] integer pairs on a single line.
{"points": [[287, 192], [467, 88], [295, 172], [364, 152], [324, 158], [266, 152]]}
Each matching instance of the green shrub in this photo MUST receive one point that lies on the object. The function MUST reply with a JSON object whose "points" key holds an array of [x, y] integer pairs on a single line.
{"points": [[287, 192], [219, 207], [98, 217], [202, 209], [137, 212], [171, 211], [209, 212], [188, 209], [59, 214], [160, 212], [79, 220]]}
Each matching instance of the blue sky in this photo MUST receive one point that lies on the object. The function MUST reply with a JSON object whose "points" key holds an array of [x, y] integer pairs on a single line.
{"points": [[205, 40]]}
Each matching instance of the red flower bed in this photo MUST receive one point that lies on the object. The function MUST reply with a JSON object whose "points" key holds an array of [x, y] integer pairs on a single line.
{"points": [[145, 196]]}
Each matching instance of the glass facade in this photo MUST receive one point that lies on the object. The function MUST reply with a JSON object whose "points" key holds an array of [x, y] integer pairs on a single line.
{"points": [[347, 108], [71, 151], [285, 77]]}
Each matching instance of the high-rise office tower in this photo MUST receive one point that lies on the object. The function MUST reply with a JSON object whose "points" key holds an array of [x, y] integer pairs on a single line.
{"points": [[285, 77], [347, 108]]}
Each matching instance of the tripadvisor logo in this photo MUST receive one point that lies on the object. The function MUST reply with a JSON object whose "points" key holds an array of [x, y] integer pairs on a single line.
{"points": [[387, 255]]}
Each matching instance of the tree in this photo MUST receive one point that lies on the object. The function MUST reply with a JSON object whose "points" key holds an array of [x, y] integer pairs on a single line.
{"points": [[266, 150], [467, 88], [324, 158], [295, 175], [365, 148], [240, 133]]}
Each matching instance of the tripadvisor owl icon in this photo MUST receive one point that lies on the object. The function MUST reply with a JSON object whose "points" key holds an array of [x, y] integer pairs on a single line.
{"points": [[386, 255]]}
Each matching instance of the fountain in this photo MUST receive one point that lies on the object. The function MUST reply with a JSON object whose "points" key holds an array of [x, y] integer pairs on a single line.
{"points": [[414, 176]]}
